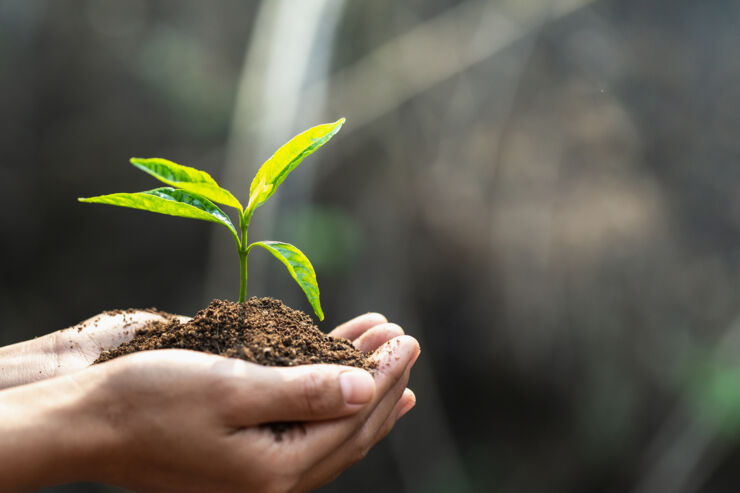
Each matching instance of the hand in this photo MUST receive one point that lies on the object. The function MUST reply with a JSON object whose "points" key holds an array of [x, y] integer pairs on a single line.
{"points": [[185, 421], [75, 348], [70, 350]]}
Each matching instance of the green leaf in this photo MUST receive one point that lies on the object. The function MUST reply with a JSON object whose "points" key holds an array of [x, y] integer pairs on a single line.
{"points": [[272, 173], [299, 267], [187, 178], [167, 200]]}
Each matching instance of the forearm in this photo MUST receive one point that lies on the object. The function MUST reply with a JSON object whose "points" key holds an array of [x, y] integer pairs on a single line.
{"points": [[47, 437]]}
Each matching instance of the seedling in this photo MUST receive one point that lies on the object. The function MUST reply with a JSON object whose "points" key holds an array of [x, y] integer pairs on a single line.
{"points": [[193, 193]]}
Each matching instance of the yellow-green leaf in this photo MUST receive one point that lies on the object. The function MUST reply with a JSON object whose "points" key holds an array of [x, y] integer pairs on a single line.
{"points": [[272, 173], [167, 200], [186, 178], [299, 267]]}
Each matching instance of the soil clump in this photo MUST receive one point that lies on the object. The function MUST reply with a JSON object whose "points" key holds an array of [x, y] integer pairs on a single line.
{"points": [[261, 330]]}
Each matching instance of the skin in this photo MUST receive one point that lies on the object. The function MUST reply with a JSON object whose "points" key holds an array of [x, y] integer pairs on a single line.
{"points": [[177, 420]]}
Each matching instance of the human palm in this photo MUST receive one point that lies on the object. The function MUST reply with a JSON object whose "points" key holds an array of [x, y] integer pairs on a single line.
{"points": [[126, 420], [75, 348]]}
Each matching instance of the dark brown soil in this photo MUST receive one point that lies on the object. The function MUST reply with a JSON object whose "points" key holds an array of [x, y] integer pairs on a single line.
{"points": [[262, 330]]}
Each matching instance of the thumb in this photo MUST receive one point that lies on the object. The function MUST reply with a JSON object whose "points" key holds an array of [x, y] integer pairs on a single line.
{"points": [[304, 393]]}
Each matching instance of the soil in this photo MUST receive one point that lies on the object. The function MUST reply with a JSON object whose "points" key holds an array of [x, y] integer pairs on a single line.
{"points": [[261, 330]]}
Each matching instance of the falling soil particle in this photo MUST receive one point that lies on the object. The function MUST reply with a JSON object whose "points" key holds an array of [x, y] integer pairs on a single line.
{"points": [[262, 330]]}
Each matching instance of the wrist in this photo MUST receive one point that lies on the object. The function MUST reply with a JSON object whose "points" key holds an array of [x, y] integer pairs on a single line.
{"points": [[50, 434]]}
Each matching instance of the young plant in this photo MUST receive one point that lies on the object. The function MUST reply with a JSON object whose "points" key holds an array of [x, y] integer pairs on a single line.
{"points": [[193, 193]]}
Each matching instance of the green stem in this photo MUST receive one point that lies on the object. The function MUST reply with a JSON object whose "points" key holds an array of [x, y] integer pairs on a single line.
{"points": [[244, 220], [243, 276]]}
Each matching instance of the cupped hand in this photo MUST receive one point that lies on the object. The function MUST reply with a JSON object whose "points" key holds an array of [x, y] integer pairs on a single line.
{"points": [[69, 350], [186, 421], [178, 420]]}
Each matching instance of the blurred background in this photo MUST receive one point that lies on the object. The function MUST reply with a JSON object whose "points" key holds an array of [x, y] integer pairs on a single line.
{"points": [[543, 192]]}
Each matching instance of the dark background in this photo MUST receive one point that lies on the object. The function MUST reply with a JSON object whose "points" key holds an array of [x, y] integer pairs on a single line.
{"points": [[544, 193]]}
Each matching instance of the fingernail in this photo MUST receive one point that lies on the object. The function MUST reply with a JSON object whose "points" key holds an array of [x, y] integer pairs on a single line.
{"points": [[357, 386]]}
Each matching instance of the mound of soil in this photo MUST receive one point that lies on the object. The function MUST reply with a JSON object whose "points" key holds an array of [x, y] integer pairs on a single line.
{"points": [[261, 330]]}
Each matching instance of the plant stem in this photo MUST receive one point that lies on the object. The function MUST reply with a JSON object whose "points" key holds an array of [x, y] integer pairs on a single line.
{"points": [[244, 220], [243, 276]]}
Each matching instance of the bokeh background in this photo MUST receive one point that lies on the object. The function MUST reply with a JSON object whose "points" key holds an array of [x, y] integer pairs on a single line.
{"points": [[543, 192]]}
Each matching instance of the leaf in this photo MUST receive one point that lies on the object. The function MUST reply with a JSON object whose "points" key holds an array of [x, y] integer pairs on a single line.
{"points": [[186, 178], [299, 267], [272, 173], [167, 200]]}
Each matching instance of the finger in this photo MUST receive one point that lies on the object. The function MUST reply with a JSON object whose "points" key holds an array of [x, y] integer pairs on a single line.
{"points": [[80, 345], [405, 404], [301, 393], [393, 360], [110, 329], [365, 438], [408, 402], [357, 446], [358, 325], [377, 336]]}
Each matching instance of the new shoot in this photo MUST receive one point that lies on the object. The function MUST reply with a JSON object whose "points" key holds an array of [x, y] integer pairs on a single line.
{"points": [[194, 194]]}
